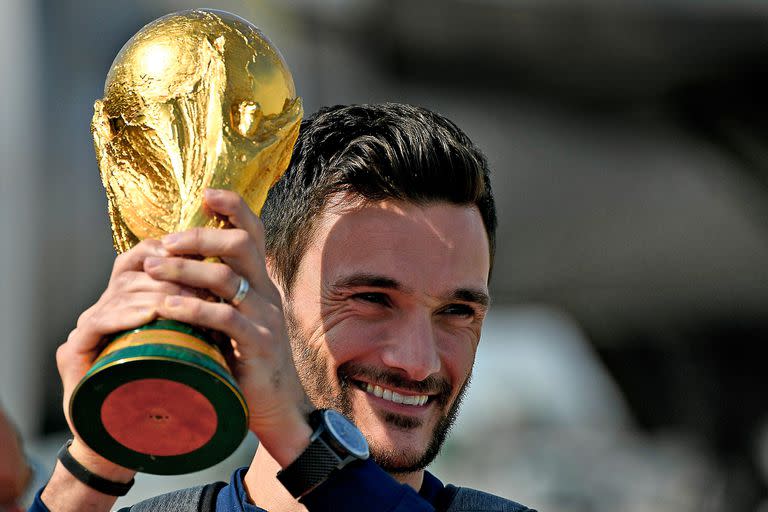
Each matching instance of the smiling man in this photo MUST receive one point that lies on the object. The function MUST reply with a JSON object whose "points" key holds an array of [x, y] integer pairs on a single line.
{"points": [[365, 292], [391, 341]]}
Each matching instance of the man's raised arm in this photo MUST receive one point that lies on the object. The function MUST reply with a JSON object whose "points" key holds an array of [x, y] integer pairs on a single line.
{"points": [[156, 279]]}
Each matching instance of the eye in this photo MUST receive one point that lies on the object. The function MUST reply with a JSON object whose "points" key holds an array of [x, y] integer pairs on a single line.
{"points": [[373, 298], [458, 310]]}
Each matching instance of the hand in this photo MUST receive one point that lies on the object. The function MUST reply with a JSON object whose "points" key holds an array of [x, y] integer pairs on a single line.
{"points": [[262, 361], [131, 299]]}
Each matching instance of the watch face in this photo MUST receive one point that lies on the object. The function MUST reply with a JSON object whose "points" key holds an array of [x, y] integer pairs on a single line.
{"points": [[346, 433]]}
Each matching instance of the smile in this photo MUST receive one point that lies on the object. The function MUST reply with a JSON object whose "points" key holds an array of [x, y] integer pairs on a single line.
{"points": [[393, 396]]}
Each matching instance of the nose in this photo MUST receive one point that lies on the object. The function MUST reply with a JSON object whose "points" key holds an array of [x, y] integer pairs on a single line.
{"points": [[413, 348]]}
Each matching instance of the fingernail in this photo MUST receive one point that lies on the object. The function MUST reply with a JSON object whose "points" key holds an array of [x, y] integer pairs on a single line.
{"points": [[152, 262], [173, 301], [171, 239]]}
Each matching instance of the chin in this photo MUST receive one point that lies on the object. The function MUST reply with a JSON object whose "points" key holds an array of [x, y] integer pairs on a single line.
{"points": [[398, 450], [396, 460]]}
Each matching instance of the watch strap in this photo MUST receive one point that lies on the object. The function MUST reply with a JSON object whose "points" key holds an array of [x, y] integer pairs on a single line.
{"points": [[310, 469], [92, 480]]}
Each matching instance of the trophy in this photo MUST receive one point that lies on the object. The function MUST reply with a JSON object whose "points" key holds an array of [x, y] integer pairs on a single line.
{"points": [[195, 99]]}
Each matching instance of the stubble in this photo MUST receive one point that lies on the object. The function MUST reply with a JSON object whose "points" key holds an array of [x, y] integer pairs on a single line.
{"points": [[315, 376]]}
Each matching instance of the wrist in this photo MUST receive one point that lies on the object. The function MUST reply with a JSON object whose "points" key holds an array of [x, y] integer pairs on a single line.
{"points": [[335, 443], [97, 464], [67, 492], [286, 441]]}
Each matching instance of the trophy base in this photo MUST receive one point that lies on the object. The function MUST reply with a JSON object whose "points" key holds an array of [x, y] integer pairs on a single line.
{"points": [[160, 400]]}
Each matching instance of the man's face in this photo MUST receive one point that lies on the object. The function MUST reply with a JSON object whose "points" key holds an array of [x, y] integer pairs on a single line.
{"points": [[384, 318]]}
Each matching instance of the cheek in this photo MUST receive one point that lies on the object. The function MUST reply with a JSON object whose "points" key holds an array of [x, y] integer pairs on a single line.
{"points": [[458, 356], [354, 339]]}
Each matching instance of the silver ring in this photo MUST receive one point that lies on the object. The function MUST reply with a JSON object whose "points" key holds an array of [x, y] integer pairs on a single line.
{"points": [[242, 291]]}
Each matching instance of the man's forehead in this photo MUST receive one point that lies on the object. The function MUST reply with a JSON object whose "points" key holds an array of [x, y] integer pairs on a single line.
{"points": [[351, 210], [396, 235]]}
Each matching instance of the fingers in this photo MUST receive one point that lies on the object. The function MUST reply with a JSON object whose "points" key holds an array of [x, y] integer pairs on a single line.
{"points": [[211, 242], [236, 248], [225, 202], [216, 277], [134, 258], [132, 282], [75, 356], [253, 339], [119, 313]]}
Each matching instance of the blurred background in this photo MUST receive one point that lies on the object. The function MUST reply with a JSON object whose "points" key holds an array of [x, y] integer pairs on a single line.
{"points": [[620, 367]]}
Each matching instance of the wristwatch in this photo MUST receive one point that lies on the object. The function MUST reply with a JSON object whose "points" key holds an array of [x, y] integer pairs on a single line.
{"points": [[335, 442]]}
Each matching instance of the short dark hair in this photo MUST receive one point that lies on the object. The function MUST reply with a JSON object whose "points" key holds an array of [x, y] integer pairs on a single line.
{"points": [[377, 152]]}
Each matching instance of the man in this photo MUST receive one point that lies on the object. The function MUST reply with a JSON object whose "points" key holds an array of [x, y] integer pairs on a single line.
{"points": [[363, 291]]}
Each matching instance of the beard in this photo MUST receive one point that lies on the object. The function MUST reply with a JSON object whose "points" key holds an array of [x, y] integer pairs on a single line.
{"points": [[315, 376]]}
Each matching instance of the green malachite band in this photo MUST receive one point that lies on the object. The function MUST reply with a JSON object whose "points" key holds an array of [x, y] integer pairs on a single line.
{"points": [[157, 350]]}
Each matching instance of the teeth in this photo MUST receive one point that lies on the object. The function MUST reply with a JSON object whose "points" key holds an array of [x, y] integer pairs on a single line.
{"points": [[393, 396]]}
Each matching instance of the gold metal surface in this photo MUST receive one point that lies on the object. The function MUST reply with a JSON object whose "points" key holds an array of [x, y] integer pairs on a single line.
{"points": [[195, 99]]}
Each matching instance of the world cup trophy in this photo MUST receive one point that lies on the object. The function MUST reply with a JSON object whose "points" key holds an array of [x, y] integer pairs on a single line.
{"points": [[195, 99]]}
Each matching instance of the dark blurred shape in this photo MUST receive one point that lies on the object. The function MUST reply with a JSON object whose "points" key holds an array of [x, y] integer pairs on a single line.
{"points": [[707, 380], [15, 473], [590, 50], [730, 111]]}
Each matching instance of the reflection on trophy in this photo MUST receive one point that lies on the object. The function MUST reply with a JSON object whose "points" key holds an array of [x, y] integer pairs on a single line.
{"points": [[195, 99]]}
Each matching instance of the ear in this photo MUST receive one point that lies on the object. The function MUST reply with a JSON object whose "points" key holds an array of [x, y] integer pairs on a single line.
{"points": [[275, 281]]}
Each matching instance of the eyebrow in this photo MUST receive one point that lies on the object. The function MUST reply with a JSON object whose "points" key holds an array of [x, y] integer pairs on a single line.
{"points": [[478, 297], [468, 295], [371, 280]]}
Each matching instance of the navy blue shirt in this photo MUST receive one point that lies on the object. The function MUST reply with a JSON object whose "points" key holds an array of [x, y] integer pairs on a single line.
{"points": [[360, 486]]}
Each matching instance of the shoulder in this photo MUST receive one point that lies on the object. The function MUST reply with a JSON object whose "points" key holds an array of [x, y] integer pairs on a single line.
{"points": [[194, 499], [472, 500]]}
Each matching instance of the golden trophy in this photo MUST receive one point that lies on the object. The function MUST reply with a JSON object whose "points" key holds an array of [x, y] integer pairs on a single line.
{"points": [[195, 99]]}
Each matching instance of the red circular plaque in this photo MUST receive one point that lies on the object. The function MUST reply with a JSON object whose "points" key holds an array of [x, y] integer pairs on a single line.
{"points": [[159, 417]]}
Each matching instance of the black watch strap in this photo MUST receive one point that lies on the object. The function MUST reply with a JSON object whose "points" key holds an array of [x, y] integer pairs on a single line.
{"points": [[310, 469], [90, 479]]}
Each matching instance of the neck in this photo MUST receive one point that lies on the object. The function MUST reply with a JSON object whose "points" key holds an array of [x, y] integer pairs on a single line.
{"points": [[414, 479], [266, 491]]}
